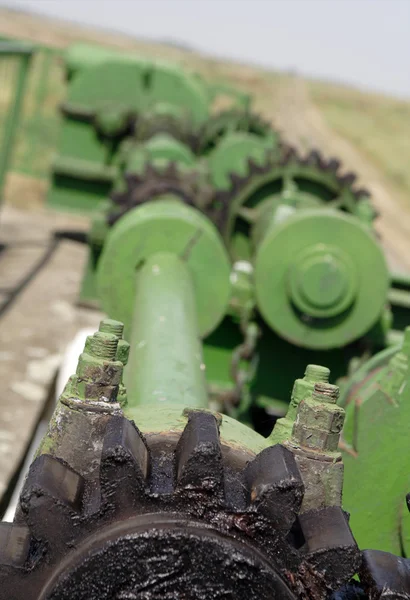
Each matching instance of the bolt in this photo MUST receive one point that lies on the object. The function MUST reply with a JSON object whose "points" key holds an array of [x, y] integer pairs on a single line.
{"points": [[302, 389], [111, 326], [325, 392], [317, 373], [319, 420], [103, 345]]}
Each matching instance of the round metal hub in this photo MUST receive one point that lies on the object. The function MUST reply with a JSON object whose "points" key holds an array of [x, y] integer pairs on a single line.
{"points": [[323, 281], [166, 225], [161, 556]]}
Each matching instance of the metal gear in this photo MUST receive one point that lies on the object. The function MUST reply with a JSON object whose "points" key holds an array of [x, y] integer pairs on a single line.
{"points": [[172, 516], [149, 124], [286, 172], [229, 121], [189, 186]]}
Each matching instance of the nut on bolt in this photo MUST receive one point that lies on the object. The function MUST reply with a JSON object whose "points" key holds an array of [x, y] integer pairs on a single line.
{"points": [[111, 326], [302, 389], [319, 420], [123, 350], [117, 328], [99, 373]]}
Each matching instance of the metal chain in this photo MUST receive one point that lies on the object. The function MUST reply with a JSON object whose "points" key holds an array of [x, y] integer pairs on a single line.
{"points": [[243, 366]]}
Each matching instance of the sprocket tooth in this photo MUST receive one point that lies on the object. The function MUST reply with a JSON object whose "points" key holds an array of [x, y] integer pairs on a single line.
{"points": [[385, 575], [125, 463], [333, 165], [275, 486], [348, 179], [330, 546], [314, 158], [289, 154], [198, 456], [253, 166], [132, 180], [52, 502], [52, 477], [171, 170], [363, 193], [236, 180], [117, 198], [14, 544]]}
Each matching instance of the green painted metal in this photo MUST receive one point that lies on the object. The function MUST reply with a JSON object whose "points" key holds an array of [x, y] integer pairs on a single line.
{"points": [[285, 181], [158, 151], [17, 56], [232, 154], [165, 225], [312, 278], [134, 86], [113, 95], [375, 442], [153, 422], [165, 318], [78, 57], [107, 92]]}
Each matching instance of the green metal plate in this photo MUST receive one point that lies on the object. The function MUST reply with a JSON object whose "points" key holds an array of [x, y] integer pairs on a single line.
{"points": [[165, 225], [376, 457]]}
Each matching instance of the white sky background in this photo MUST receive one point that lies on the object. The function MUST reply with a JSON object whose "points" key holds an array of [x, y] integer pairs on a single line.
{"points": [[362, 42]]}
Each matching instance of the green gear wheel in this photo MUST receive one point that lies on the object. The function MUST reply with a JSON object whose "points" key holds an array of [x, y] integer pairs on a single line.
{"points": [[286, 176], [229, 121], [188, 185], [151, 123]]}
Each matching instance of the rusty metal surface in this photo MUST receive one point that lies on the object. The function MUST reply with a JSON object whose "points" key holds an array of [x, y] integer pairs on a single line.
{"points": [[181, 519]]}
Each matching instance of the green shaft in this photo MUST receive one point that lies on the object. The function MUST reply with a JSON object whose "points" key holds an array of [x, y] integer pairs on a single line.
{"points": [[165, 365]]}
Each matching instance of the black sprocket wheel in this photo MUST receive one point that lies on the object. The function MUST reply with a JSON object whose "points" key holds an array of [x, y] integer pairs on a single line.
{"points": [[172, 517], [189, 186], [285, 171]]}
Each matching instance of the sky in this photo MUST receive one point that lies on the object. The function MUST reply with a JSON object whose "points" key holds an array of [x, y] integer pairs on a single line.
{"points": [[365, 43]]}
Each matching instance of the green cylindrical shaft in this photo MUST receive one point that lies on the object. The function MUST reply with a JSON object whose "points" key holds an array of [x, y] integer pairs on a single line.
{"points": [[165, 365]]}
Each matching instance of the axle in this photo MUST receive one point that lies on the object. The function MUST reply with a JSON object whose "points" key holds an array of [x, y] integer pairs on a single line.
{"points": [[166, 366]]}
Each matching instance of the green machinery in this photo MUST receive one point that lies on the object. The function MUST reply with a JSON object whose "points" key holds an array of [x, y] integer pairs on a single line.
{"points": [[308, 279], [111, 95], [300, 240], [188, 456], [305, 293], [140, 489]]}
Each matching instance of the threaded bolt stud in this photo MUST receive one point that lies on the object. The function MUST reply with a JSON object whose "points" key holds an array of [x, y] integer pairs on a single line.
{"points": [[325, 392], [103, 345], [111, 326], [317, 373]]}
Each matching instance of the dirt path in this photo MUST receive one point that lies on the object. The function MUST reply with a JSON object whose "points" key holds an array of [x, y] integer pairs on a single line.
{"points": [[303, 125]]}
